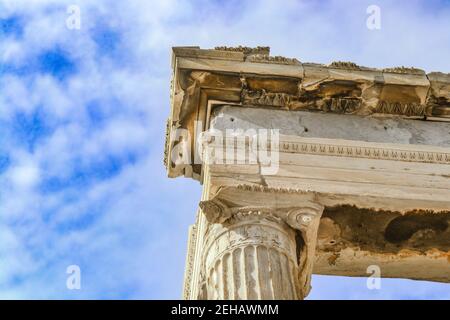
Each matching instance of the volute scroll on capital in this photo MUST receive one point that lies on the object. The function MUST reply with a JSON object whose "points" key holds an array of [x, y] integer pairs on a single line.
{"points": [[300, 217]]}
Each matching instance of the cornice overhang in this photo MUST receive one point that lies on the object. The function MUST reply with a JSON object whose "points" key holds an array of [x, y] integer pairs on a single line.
{"points": [[250, 77]]}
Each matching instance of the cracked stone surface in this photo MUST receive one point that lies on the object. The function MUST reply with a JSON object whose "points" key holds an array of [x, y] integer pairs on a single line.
{"points": [[334, 126]]}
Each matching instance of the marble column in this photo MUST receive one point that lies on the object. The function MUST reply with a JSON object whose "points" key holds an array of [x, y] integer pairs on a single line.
{"points": [[257, 253]]}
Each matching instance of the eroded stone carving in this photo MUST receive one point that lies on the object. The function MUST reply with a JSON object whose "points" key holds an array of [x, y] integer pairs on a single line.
{"points": [[406, 109], [246, 50], [260, 188], [346, 105], [404, 70], [215, 211], [265, 58], [344, 65], [166, 144], [262, 240], [263, 98], [342, 105]]}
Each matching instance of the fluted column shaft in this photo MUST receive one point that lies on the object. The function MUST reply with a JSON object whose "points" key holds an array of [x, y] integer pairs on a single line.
{"points": [[251, 256]]}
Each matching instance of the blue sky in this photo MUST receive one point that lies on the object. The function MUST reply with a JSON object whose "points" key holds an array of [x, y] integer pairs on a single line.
{"points": [[82, 127]]}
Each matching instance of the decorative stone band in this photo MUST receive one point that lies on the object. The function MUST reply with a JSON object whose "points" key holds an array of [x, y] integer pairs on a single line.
{"points": [[344, 105], [259, 252], [296, 217], [340, 148], [366, 152]]}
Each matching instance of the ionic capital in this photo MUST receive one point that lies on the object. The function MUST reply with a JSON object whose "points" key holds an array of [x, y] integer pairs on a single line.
{"points": [[300, 217], [286, 225]]}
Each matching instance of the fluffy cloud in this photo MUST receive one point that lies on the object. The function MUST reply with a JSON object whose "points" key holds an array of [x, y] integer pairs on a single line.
{"points": [[82, 117]]}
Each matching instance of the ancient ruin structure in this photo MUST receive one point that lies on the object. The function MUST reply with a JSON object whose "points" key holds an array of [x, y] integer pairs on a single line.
{"points": [[357, 175]]}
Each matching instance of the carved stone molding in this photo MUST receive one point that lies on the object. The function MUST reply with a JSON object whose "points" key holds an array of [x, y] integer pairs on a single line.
{"points": [[344, 105], [341, 105], [407, 109], [166, 144], [260, 188], [263, 98], [365, 152], [349, 149]]}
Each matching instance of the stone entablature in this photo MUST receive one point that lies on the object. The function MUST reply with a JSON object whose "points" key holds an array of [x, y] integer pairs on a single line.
{"points": [[249, 77]]}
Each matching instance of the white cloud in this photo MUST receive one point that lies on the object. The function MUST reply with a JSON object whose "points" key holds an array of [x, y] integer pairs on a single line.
{"points": [[24, 176]]}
